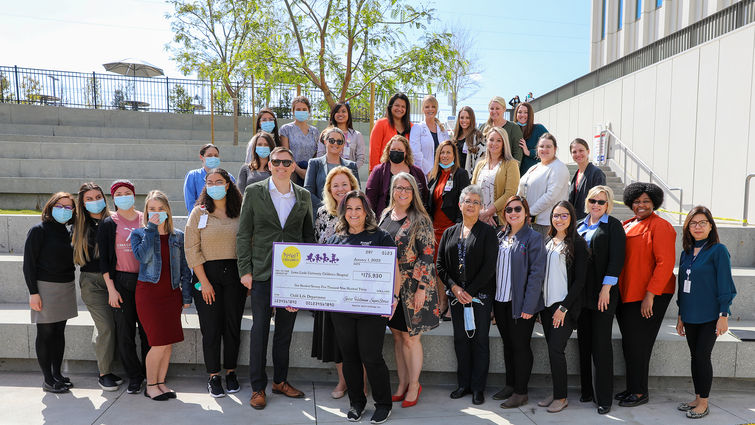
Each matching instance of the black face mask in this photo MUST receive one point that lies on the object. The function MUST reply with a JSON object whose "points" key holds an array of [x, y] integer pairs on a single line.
{"points": [[396, 157]]}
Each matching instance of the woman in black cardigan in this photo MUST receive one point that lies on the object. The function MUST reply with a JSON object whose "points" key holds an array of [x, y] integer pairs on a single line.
{"points": [[605, 236], [447, 179], [562, 293], [466, 265], [585, 178]]}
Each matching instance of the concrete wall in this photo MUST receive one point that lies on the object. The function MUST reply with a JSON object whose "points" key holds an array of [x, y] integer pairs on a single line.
{"points": [[690, 118]]}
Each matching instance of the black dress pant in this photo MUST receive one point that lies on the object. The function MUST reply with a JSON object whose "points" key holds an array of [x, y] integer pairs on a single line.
{"points": [[360, 338], [284, 328], [126, 323], [594, 329], [517, 352], [221, 320], [701, 337], [557, 339], [637, 339], [472, 354]]}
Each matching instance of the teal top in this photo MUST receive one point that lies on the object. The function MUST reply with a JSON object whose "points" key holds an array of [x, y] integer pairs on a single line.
{"points": [[712, 289], [532, 159]]}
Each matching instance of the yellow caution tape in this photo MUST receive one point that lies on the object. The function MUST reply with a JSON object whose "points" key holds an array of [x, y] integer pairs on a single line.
{"points": [[736, 220]]}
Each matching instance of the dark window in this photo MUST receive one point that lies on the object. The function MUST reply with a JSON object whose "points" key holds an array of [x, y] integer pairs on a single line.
{"points": [[621, 13], [639, 9]]}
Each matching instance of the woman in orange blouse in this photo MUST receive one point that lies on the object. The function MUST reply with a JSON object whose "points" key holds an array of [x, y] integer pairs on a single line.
{"points": [[646, 285], [396, 121]]}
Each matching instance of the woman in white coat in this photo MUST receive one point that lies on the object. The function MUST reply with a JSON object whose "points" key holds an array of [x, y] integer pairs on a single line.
{"points": [[427, 135]]}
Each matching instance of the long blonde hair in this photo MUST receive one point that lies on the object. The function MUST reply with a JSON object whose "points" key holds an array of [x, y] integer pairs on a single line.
{"points": [[505, 149], [327, 198], [489, 124], [433, 101], [436, 167], [418, 217], [81, 228], [163, 199]]}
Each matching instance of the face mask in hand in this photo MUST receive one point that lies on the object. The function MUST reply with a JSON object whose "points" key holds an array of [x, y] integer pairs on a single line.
{"points": [[469, 324], [396, 157], [163, 215]]}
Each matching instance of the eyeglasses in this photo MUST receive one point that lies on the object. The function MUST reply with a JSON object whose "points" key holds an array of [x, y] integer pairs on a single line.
{"points": [[402, 189], [65, 207], [564, 216], [701, 223], [333, 141], [600, 202], [517, 208], [473, 203], [278, 162], [220, 182]]}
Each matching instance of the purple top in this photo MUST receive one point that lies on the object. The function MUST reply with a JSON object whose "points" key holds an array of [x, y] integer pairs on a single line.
{"points": [[379, 183]]}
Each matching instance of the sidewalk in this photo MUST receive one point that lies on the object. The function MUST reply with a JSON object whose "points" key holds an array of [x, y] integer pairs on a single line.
{"points": [[23, 402]]}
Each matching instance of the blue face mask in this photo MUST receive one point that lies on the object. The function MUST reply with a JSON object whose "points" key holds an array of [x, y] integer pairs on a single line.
{"points": [[521, 125], [163, 215], [216, 192], [469, 324], [124, 202], [267, 126], [95, 207], [262, 151], [61, 215], [212, 162], [301, 115], [443, 166]]}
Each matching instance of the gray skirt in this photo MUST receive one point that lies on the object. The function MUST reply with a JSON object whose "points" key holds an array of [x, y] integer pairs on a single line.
{"points": [[58, 302]]}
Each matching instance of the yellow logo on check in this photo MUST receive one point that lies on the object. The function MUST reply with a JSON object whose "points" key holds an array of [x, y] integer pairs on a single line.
{"points": [[291, 257]]}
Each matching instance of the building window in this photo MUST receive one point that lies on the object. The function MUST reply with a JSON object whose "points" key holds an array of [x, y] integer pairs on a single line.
{"points": [[658, 3], [639, 9], [621, 14], [603, 22]]}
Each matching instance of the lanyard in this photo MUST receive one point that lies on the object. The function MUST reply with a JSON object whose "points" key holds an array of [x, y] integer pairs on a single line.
{"points": [[694, 257]]}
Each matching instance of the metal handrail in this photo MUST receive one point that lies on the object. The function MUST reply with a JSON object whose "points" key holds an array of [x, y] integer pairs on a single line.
{"points": [[747, 198], [654, 178]]}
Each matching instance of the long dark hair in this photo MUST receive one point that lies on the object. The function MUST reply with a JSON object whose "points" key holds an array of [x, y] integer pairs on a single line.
{"points": [[571, 230], [527, 129], [83, 225], [233, 197], [254, 164], [349, 123], [257, 127], [370, 222], [405, 119], [688, 241]]}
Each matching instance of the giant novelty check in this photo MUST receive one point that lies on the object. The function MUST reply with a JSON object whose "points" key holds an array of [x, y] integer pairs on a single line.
{"points": [[342, 278]]}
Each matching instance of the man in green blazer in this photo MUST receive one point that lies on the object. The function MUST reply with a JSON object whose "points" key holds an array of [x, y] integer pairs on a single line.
{"points": [[274, 210]]}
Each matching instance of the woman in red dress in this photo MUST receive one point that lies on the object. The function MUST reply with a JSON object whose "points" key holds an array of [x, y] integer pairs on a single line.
{"points": [[159, 300]]}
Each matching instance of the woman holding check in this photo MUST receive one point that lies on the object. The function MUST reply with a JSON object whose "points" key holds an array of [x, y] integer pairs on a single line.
{"points": [[360, 336]]}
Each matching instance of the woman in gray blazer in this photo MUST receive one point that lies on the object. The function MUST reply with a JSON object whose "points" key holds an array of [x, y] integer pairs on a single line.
{"points": [[318, 168]]}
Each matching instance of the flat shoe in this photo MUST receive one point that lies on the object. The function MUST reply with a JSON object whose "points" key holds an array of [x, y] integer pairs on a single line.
{"points": [[684, 407], [622, 395], [694, 415], [336, 394], [585, 399], [516, 400], [558, 406], [504, 393], [602, 410], [546, 401], [632, 400]]}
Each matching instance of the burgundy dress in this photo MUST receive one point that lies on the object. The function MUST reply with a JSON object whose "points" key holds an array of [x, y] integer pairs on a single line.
{"points": [[159, 305]]}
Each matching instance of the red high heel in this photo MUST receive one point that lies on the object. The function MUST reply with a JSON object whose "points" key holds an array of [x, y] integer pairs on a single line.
{"points": [[407, 403], [395, 398]]}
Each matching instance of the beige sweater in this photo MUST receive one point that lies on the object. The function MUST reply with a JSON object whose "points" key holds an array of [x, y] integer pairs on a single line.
{"points": [[216, 241]]}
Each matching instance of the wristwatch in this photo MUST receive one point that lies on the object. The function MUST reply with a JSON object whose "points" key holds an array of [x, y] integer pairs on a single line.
{"points": [[723, 314], [563, 309], [396, 296], [421, 286]]}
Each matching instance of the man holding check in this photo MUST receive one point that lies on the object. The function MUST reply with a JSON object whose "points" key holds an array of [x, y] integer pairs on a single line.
{"points": [[274, 210]]}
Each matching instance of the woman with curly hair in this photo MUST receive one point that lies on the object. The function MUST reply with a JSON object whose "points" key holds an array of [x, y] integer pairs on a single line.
{"points": [[646, 285], [397, 158], [406, 220]]}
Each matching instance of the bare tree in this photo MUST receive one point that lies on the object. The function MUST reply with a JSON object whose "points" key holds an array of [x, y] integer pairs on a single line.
{"points": [[464, 67]]}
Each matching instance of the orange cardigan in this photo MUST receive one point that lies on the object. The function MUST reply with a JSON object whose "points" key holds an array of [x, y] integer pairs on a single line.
{"points": [[649, 260], [381, 134]]}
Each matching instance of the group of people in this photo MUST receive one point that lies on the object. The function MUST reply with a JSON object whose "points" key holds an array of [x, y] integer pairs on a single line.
{"points": [[487, 222]]}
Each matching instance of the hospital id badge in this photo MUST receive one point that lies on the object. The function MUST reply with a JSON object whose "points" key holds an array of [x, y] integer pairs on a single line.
{"points": [[202, 221], [687, 286], [449, 186]]}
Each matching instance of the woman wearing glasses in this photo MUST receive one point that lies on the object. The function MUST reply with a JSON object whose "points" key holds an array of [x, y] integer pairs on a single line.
{"points": [[646, 285], [706, 290], [219, 295], [49, 274], [397, 158], [606, 239], [466, 265], [518, 298], [318, 168]]}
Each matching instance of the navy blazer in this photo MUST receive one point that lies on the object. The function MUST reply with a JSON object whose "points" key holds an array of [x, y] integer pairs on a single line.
{"points": [[317, 172], [594, 176], [528, 258]]}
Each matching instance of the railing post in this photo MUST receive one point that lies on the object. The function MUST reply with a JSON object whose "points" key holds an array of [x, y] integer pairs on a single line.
{"points": [[18, 88], [747, 199], [94, 89], [167, 94], [298, 89]]}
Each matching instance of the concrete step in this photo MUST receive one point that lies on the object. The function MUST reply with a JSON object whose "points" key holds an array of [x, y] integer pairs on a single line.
{"points": [[107, 151], [56, 139], [25, 169], [731, 358], [193, 136]]}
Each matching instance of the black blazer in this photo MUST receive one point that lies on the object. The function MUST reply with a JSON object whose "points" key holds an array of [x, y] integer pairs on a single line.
{"points": [[576, 272], [106, 244], [606, 259], [480, 259], [450, 204], [594, 176]]}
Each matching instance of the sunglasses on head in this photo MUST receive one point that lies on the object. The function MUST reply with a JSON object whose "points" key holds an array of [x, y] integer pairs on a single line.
{"points": [[285, 162], [333, 141], [517, 208], [600, 202]]}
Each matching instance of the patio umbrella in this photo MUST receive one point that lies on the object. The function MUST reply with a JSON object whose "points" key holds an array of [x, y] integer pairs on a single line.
{"points": [[134, 68]]}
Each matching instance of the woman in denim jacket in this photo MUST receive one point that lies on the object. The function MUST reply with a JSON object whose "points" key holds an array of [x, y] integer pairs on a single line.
{"points": [[162, 269]]}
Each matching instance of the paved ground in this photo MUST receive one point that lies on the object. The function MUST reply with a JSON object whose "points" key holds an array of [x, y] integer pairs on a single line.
{"points": [[23, 402]]}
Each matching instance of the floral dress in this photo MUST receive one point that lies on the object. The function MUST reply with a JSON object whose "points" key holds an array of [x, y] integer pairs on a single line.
{"points": [[416, 264], [325, 225]]}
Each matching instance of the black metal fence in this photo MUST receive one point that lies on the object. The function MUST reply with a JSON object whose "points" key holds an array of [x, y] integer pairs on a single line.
{"points": [[721, 22], [175, 95]]}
